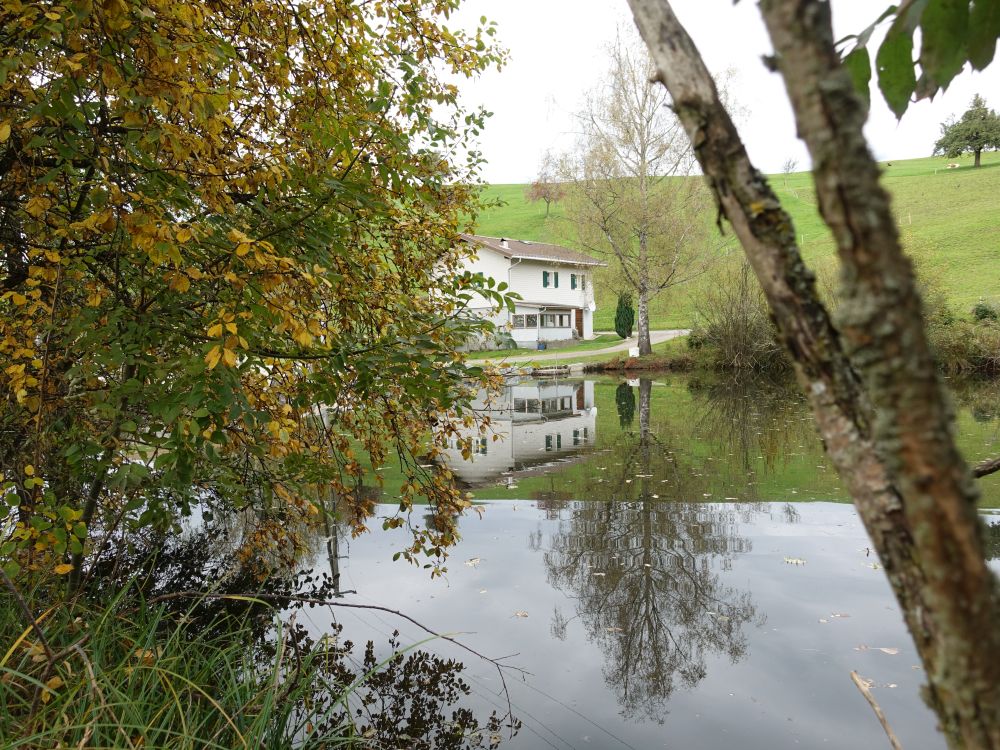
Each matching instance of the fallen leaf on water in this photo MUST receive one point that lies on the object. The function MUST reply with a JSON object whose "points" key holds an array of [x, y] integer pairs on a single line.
{"points": [[822, 620], [892, 651], [795, 561], [482, 591], [472, 562], [839, 614], [520, 613]]}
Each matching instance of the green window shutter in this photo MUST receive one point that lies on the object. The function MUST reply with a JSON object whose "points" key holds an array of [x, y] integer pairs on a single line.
{"points": [[545, 278], [572, 281], [555, 279]]}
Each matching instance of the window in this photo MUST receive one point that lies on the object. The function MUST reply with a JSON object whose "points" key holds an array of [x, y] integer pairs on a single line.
{"points": [[518, 321], [551, 320], [559, 441], [548, 442], [576, 437], [545, 279], [572, 281], [481, 447], [583, 282], [555, 279], [531, 321]]}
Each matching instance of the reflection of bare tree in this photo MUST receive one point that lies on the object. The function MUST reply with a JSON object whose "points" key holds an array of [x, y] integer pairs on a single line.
{"points": [[756, 418], [649, 593], [645, 575]]}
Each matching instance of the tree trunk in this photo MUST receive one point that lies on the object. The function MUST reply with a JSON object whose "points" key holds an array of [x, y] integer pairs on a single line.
{"points": [[978, 153], [890, 438], [645, 347]]}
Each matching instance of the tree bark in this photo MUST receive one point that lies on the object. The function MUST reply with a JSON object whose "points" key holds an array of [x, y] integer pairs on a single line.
{"points": [[978, 153], [874, 390], [645, 347]]}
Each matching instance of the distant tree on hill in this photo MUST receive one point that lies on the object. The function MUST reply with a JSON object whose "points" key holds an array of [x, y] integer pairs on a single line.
{"points": [[977, 130], [545, 187], [788, 167]]}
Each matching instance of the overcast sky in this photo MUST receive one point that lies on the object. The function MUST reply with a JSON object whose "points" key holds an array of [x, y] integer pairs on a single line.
{"points": [[557, 52]]}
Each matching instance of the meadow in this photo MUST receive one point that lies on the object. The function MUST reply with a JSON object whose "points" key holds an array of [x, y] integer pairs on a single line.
{"points": [[948, 219]]}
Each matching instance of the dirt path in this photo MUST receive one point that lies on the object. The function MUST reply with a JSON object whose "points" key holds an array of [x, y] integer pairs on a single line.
{"points": [[655, 337]]}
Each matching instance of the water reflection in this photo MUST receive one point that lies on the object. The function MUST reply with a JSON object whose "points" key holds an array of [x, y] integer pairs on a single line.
{"points": [[534, 422], [645, 579]]}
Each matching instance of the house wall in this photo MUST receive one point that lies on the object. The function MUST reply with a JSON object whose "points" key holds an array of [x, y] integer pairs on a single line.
{"points": [[526, 280], [491, 265], [525, 277]]}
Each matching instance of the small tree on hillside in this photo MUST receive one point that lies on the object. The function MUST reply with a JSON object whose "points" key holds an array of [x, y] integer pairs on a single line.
{"points": [[545, 187], [788, 167], [978, 129], [624, 315]]}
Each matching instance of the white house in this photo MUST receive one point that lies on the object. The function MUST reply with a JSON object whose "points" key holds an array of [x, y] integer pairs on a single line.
{"points": [[538, 421], [556, 286]]}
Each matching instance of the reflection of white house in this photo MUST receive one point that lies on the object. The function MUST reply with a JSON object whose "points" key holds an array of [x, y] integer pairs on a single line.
{"points": [[556, 286], [538, 422]]}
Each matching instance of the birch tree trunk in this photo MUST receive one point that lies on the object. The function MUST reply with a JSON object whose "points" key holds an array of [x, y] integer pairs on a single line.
{"points": [[872, 384], [645, 347]]}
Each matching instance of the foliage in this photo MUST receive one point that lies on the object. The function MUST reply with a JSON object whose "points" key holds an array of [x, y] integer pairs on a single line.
{"points": [[214, 219], [952, 32], [735, 330], [624, 315], [964, 347], [984, 311], [976, 130], [138, 677]]}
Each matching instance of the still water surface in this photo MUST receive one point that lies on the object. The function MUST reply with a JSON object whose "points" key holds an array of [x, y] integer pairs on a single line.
{"points": [[655, 570]]}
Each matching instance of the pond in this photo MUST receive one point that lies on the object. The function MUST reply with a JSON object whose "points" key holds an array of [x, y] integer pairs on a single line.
{"points": [[673, 564]]}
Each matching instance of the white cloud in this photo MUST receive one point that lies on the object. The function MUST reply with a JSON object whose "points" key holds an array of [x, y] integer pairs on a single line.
{"points": [[557, 53]]}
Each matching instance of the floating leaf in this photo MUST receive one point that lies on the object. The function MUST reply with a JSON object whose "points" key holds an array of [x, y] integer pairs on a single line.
{"points": [[520, 613], [472, 562]]}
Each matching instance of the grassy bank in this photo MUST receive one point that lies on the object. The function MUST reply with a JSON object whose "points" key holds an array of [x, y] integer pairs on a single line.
{"points": [[947, 217]]}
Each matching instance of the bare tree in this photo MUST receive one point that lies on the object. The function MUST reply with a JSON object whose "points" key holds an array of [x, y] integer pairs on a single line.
{"points": [[871, 379], [546, 186], [629, 195], [788, 167]]}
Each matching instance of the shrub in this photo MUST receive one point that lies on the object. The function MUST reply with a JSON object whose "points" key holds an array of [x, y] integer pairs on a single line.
{"points": [[984, 311], [965, 347], [624, 315], [735, 330]]}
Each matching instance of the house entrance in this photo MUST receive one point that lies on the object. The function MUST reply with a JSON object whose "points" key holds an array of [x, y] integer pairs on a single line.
{"points": [[579, 322]]}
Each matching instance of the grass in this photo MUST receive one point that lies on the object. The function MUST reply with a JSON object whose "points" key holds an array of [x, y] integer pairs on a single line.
{"points": [[168, 675], [947, 218]]}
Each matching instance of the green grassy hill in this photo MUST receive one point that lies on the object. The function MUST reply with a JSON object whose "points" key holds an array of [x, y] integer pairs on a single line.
{"points": [[949, 220]]}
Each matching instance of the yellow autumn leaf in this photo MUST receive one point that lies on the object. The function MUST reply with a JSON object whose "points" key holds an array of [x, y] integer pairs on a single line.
{"points": [[184, 235], [180, 283], [215, 330], [29, 470], [62, 569], [4, 131], [229, 357], [54, 683], [213, 357]]}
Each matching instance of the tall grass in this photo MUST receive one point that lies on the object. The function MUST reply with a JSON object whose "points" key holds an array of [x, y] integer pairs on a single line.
{"points": [[126, 675]]}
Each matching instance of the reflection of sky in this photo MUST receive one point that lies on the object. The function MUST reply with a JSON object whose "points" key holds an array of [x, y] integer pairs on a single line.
{"points": [[793, 686]]}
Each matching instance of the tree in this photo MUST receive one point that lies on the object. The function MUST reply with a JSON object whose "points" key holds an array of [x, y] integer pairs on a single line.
{"points": [[229, 263], [628, 196], [978, 129], [788, 167], [546, 187], [870, 378], [624, 315]]}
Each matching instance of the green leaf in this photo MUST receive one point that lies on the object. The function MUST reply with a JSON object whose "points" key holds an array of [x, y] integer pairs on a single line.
{"points": [[894, 62], [984, 28], [859, 65], [944, 28]]}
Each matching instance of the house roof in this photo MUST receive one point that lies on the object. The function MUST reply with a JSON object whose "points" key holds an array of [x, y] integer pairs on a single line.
{"points": [[525, 250]]}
